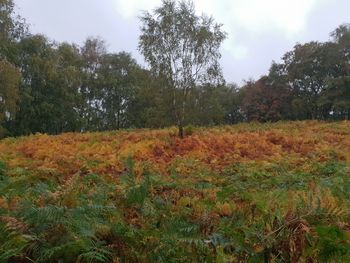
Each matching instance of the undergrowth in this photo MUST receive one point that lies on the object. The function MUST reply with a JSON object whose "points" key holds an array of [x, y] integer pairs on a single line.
{"points": [[291, 208]]}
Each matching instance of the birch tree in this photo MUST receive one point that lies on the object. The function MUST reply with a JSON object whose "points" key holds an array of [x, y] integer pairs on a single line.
{"points": [[182, 48]]}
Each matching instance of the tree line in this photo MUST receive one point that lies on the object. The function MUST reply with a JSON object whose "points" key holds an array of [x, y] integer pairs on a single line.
{"points": [[52, 87]]}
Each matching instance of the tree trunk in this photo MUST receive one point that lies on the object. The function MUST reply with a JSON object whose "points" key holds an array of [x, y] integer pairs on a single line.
{"points": [[118, 114], [118, 119], [181, 130], [182, 114]]}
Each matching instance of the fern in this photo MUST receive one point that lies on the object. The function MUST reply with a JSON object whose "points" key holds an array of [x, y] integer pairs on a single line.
{"points": [[96, 252], [129, 175], [2, 170], [12, 243], [135, 194], [333, 244], [229, 195]]}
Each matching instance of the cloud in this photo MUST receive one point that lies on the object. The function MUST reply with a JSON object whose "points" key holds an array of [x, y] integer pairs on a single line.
{"points": [[130, 9], [243, 20], [259, 31], [239, 52], [288, 16]]}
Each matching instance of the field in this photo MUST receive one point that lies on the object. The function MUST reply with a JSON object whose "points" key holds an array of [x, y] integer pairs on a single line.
{"points": [[245, 193]]}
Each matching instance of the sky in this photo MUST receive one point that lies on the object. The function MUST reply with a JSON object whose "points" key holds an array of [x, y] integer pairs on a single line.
{"points": [[259, 31]]}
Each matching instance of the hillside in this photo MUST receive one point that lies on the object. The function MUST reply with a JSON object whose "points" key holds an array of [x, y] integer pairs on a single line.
{"points": [[250, 192]]}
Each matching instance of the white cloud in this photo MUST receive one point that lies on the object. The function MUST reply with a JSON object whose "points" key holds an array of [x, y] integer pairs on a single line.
{"points": [[254, 15], [239, 52], [288, 16], [130, 9], [247, 22], [258, 30]]}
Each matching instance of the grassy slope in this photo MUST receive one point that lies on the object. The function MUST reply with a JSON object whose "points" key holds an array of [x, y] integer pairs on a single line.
{"points": [[227, 194]]}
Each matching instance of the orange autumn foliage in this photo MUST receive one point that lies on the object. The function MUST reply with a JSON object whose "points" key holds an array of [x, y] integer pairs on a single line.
{"points": [[214, 148]]}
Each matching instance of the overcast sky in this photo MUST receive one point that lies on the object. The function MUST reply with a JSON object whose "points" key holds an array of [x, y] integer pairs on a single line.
{"points": [[259, 31]]}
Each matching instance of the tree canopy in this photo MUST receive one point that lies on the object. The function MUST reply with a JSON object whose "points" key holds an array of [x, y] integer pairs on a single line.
{"points": [[52, 87], [183, 48]]}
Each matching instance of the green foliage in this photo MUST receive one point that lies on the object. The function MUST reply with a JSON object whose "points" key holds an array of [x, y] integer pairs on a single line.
{"points": [[136, 193], [266, 207], [9, 93], [2, 169], [67, 227], [52, 87], [333, 243], [260, 212], [160, 206], [189, 130], [12, 243], [191, 60]]}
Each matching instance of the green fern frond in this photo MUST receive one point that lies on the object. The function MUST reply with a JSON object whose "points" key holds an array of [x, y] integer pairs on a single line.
{"points": [[12, 243]]}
